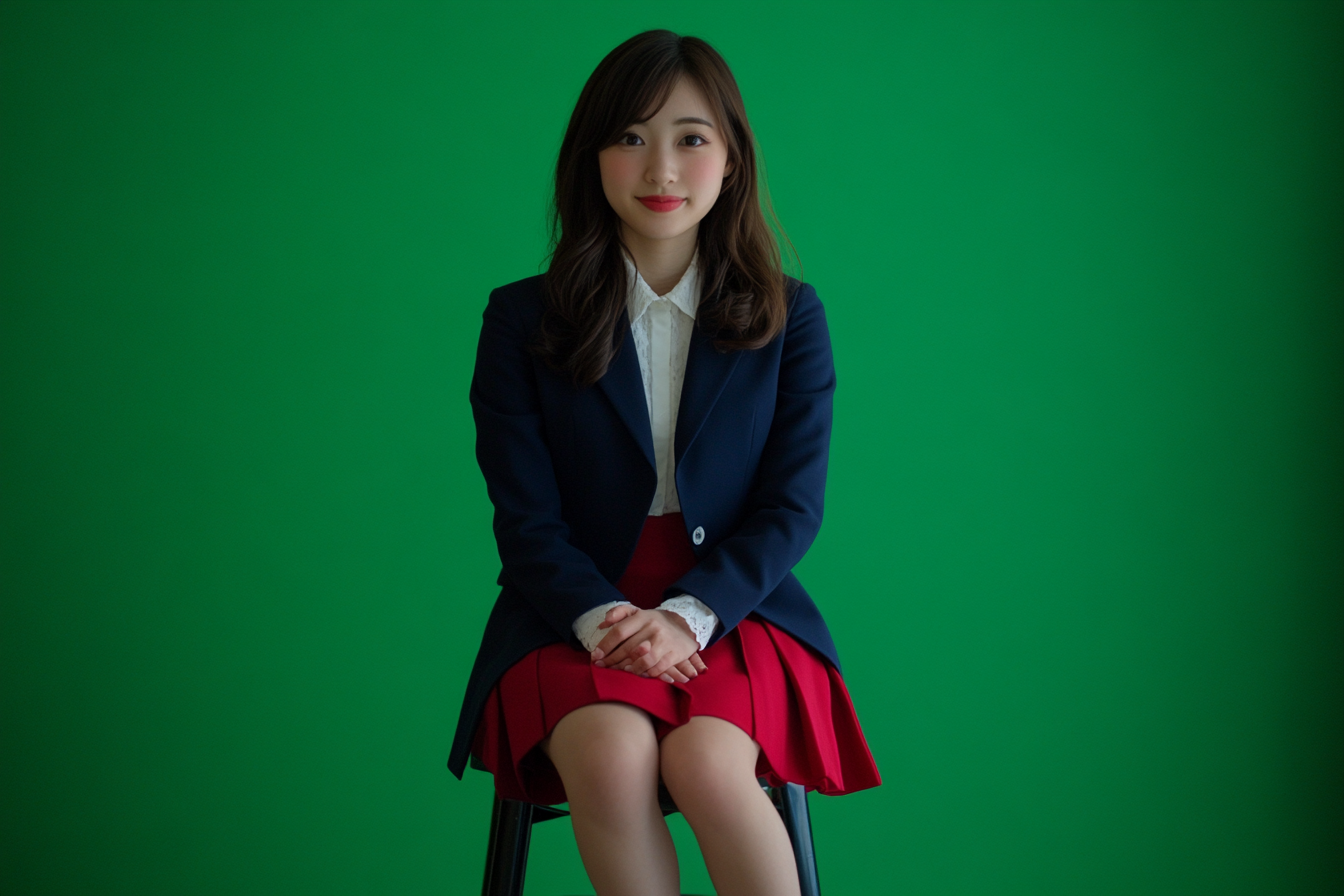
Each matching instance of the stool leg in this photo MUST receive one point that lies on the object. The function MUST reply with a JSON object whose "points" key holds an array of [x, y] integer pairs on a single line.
{"points": [[791, 801], [506, 854]]}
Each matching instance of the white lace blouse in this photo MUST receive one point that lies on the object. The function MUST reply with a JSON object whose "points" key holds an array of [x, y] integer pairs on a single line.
{"points": [[661, 327]]}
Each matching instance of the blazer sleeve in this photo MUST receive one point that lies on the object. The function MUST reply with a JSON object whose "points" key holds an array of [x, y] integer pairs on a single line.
{"points": [[556, 578], [784, 512]]}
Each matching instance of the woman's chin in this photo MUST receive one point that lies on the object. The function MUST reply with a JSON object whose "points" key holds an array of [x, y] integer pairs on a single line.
{"points": [[659, 230]]}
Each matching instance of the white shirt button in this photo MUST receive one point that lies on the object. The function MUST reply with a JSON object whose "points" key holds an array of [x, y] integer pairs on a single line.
{"points": [[698, 535]]}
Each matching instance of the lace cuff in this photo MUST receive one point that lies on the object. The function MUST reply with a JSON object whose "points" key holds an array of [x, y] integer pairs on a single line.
{"points": [[586, 626], [702, 620]]}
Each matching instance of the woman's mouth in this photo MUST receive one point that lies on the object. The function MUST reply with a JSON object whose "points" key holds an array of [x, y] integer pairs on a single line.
{"points": [[662, 203]]}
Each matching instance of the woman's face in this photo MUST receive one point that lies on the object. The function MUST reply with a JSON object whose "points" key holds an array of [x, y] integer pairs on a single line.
{"points": [[662, 176]]}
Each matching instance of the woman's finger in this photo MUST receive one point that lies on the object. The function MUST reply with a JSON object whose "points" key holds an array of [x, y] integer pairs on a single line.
{"points": [[648, 640], [661, 659], [618, 633], [639, 628], [639, 660], [627, 650], [672, 673], [698, 663], [654, 668], [687, 669], [615, 615], [608, 651]]}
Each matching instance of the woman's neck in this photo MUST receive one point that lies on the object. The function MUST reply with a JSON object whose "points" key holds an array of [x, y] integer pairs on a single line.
{"points": [[661, 262]]}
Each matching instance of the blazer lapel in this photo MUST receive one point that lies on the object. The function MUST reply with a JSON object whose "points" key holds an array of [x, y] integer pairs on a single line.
{"points": [[624, 386], [707, 371]]}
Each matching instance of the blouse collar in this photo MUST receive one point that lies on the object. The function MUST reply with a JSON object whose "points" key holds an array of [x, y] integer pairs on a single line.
{"points": [[685, 295]]}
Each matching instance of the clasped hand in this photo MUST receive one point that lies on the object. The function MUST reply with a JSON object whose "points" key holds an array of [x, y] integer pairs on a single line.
{"points": [[649, 643]]}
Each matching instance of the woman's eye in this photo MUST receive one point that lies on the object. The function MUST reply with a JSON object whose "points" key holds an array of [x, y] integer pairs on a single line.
{"points": [[629, 140], [694, 140]]}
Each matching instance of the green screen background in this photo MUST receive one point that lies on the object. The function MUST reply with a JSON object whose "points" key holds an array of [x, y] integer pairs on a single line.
{"points": [[1084, 268]]}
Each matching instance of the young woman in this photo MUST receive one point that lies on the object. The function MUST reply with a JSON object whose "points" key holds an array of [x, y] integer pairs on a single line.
{"points": [[653, 418]]}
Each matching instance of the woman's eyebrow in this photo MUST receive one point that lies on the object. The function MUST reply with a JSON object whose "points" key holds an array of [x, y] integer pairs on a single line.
{"points": [[693, 121]]}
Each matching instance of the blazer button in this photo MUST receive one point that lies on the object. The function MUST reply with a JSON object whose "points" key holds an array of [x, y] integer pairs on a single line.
{"points": [[698, 535]]}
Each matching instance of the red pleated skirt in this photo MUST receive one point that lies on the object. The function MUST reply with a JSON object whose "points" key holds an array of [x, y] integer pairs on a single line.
{"points": [[784, 694]]}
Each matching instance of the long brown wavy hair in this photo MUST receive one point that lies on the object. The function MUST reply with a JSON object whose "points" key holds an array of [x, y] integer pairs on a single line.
{"points": [[743, 304]]}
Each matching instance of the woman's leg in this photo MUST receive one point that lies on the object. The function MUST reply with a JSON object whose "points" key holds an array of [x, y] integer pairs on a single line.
{"points": [[709, 767], [607, 757]]}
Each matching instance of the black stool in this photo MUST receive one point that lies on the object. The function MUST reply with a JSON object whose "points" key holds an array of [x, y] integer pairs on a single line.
{"points": [[511, 834]]}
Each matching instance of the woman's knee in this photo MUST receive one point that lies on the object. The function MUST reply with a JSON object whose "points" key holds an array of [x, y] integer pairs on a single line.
{"points": [[605, 748], [707, 757]]}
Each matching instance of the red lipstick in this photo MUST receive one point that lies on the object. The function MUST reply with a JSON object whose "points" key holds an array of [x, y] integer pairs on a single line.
{"points": [[662, 203]]}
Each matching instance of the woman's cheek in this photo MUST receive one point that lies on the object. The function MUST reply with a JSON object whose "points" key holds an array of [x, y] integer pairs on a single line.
{"points": [[619, 171], [707, 176]]}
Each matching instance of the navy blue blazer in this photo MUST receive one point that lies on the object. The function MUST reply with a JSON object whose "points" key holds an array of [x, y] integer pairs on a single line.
{"points": [[571, 474]]}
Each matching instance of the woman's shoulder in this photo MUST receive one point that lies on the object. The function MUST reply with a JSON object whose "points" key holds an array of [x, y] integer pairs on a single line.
{"points": [[803, 303], [521, 300], [799, 293], [527, 290]]}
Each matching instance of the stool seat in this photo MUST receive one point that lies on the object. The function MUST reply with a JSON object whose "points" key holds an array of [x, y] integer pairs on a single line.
{"points": [[511, 834]]}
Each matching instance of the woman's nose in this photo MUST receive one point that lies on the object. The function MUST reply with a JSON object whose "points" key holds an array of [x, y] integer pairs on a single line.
{"points": [[661, 168]]}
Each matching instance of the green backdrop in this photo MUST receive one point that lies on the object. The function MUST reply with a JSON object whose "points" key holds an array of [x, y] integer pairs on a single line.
{"points": [[1084, 267]]}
